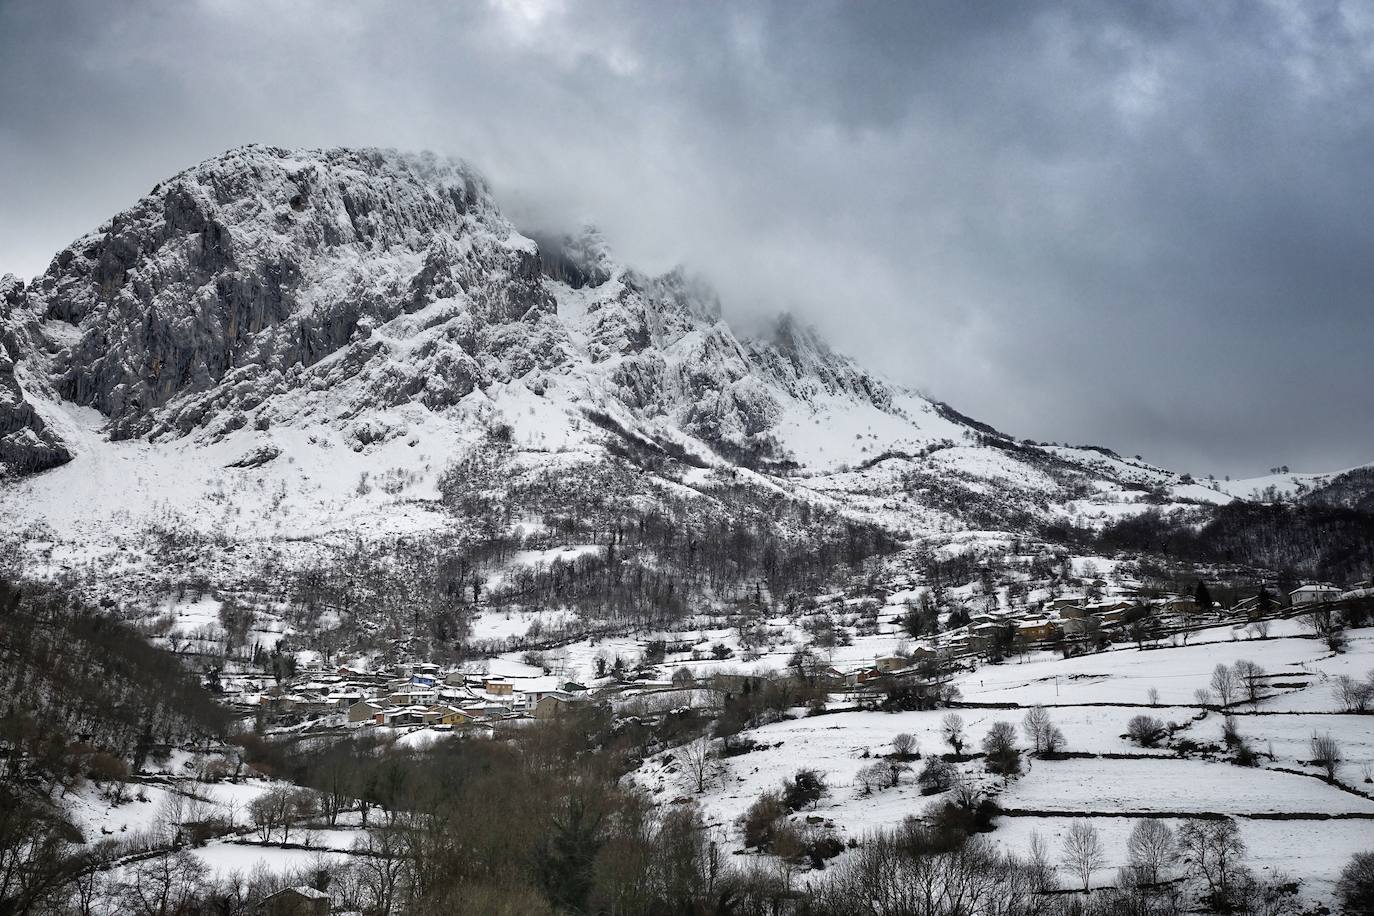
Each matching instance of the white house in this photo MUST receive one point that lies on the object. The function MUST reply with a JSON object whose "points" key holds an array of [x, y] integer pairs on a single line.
{"points": [[1314, 594]]}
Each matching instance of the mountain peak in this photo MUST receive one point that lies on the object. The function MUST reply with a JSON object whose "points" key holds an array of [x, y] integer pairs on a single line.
{"points": [[310, 303]]}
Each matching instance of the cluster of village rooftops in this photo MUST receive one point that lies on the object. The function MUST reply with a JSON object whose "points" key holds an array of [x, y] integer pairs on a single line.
{"points": [[422, 693], [426, 694]]}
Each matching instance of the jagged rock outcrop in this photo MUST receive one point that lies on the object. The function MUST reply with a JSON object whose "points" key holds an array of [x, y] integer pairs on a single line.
{"points": [[261, 262], [386, 278], [27, 444]]}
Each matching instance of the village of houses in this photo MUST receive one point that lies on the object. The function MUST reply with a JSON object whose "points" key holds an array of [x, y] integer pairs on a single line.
{"points": [[419, 694], [470, 700]]}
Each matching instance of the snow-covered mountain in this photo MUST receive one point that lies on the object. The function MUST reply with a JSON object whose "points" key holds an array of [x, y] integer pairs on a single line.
{"points": [[299, 343]]}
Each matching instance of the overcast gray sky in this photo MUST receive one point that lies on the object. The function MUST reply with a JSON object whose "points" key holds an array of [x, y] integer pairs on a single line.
{"points": [[1149, 226]]}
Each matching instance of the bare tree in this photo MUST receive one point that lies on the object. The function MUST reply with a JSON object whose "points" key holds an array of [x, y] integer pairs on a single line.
{"points": [[1355, 889], [697, 757], [1353, 695], [895, 769], [1002, 756], [1043, 735], [1202, 696], [1035, 723], [163, 885], [952, 727], [871, 777], [904, 744], [1214, 851], [1230, 731], [1224, 684], [1251, 677], [937, 775], [381, 868], [1153, 696], [1151, 849], [1083, 852], [1326, 624], [1042, 869], [1147, 731], [1326, 753]]}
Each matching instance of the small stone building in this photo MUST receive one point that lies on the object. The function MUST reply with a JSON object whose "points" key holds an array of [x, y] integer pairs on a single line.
{"points": [[301, 900]]}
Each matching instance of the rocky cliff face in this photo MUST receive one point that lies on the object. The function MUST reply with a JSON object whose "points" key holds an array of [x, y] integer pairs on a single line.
{"points": [[260, 263], [265, 271], [27, 444]]}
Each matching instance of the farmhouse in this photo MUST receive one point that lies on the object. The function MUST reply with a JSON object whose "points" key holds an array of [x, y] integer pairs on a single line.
{"points": [[449, 715], [551, 706], [983, 636], [364, 711], [413, 697], [1313, 594], [1177, 605], [1035, 629]]}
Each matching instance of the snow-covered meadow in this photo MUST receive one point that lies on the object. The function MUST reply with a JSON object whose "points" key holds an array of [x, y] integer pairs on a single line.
{"points": [[1292, 820]]}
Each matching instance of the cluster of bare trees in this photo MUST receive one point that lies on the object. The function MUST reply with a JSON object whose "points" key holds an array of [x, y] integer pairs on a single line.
{"points": [[1044, 736], [1166, 868], [1352, 695], [278, 810], [1242, 681]]}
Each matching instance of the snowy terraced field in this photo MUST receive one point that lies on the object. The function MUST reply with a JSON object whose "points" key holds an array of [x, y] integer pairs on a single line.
{"points": [[1293, 822], [224, 859], [1126, 674], [1288, 737], [1107, 786]]}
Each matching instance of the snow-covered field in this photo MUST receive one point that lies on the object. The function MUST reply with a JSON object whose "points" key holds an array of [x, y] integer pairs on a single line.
{"points": [[1314, 851], [1174, 787], [1285, 817], [224, 859]]}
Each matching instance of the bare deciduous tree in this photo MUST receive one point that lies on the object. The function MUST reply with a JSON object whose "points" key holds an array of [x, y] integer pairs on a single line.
{"points": [[1224, 684], [1034, 724], [871, 777], [1214, 851], [697, 757], [163, 884], [1353, 695], [952, 728], [1044, 736], [904, 745], [1083, 853], [1151, 849], [1251, 677], [1147, 731], [1326, 624], [1326, 753], [1042, 869]]}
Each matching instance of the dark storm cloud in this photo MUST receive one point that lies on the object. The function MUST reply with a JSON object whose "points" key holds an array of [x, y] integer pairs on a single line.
{"points": [[1145, 225]]}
